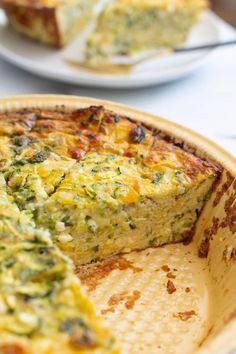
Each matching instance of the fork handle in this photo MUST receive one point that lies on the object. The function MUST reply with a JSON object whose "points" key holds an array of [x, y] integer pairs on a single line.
{"points": [[205, 46]]}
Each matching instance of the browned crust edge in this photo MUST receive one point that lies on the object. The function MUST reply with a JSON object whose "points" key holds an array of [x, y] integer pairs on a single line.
{"points": [[27, 12]]}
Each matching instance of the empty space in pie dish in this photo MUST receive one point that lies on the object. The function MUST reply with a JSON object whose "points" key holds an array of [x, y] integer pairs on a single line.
{"points": [[155, 301]]}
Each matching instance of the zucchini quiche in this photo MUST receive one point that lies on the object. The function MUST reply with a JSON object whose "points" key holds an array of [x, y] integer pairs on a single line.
{"points": [[53, 22], [113, 27], [130, 27], [77, 187]]}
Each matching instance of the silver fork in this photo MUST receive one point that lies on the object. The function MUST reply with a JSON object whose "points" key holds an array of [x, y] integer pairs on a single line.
{"points": [[128, 61]]}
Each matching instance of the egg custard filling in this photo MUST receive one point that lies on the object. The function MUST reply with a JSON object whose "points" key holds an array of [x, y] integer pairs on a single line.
{"points": [[131, 27], [77, 187]]}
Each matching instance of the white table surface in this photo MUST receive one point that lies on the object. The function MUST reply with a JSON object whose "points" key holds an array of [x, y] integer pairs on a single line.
{"points": [[204, 101]]}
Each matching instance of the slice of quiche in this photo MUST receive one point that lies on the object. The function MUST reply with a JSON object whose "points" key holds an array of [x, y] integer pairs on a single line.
{"points": [[43, 310], [109, 204], [53, 22], [128, 27]]}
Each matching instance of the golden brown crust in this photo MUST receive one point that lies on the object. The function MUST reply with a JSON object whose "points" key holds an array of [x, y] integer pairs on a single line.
{"points": [[128, 299], [28, 13], [221, 191], [91, 279], [32, 4], [207, 237], [228, 221], [186, 315], [11, 349], [97, 129], [170, 287]]}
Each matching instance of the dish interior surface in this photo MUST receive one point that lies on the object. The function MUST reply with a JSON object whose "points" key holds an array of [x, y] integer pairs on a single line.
{"points": [[176, 298], [155, 301]]}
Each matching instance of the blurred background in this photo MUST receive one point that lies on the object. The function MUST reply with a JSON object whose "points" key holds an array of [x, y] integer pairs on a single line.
{"points": [[225, 9]]}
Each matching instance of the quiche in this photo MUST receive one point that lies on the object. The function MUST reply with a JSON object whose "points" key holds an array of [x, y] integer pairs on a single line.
{"points": [[54, 22], [113, 27], [77, 187], [130, 27]]}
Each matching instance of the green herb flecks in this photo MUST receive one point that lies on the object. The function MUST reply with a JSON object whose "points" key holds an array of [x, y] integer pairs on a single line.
{"points": [[157, 177]]}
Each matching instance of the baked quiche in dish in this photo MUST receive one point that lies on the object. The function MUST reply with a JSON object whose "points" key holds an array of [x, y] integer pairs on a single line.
{"points": [[77, 187], [109, 28]]}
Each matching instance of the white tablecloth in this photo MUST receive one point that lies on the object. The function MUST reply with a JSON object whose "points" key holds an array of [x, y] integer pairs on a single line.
{"points": [[204, 101]]}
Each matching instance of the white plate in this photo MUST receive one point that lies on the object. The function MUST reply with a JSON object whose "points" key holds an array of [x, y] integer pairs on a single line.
{"points": [[48, 62]]}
